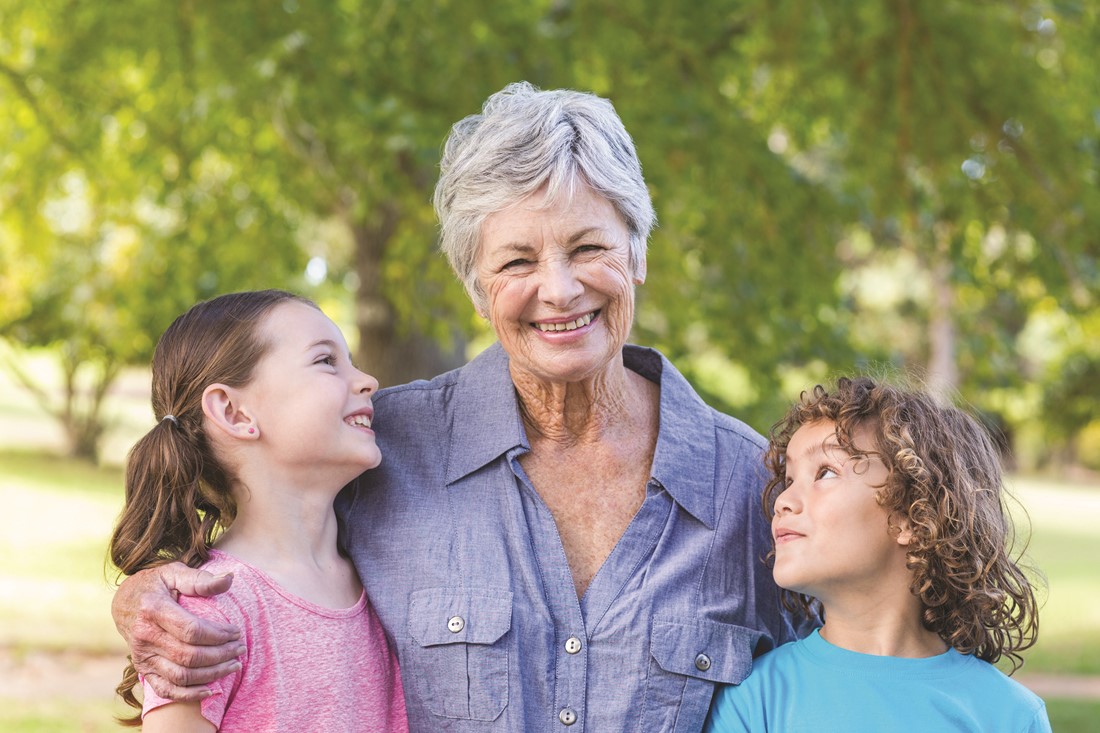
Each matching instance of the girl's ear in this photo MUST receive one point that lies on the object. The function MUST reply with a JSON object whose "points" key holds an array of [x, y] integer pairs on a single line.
{"points": [[222, 405]]}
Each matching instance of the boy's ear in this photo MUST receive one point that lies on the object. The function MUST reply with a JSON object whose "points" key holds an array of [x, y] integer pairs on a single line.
{"points": [[223, 406], [904, 531]]}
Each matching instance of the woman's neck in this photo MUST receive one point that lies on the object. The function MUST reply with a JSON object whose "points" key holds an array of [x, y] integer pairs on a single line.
{"points": [[582, 411]]}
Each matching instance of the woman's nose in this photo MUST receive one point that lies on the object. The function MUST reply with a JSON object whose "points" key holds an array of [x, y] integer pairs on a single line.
{"points": [[559, 285]]}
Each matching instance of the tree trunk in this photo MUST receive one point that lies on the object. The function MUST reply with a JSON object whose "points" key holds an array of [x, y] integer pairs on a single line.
{"points": [[943, 369], [384, 351]]}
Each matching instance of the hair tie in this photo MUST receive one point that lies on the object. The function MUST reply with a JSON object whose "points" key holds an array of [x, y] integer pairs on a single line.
{"points": [[172, 418]]}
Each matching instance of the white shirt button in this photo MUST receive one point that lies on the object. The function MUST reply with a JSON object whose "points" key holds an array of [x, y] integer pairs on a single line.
{"points": [[455, 624], [572, 645], [567, 716]]}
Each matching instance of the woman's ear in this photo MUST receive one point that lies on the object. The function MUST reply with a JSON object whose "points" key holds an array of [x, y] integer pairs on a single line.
{"points": [[222, 405], [640, 271]]}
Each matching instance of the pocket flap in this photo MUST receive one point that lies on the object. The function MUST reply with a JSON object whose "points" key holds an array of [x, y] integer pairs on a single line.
{"points": [[457, 615], [708, 650]]}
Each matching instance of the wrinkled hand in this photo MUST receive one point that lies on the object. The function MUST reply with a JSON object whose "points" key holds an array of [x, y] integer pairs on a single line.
{"points": [[176, 652]]}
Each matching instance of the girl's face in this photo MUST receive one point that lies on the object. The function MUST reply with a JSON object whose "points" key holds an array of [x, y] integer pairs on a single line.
{"points": [[832, 539], [311, 405]]}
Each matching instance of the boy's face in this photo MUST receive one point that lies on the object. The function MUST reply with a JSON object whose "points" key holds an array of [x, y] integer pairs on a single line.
{"points": [[832, 539]]}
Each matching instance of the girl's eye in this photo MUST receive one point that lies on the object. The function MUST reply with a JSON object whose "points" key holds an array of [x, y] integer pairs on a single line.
{"points": [[825, 472], [329, 359]]}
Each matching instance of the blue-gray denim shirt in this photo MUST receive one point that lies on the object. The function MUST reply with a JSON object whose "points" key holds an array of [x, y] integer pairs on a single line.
{"points": [[464, 565]]}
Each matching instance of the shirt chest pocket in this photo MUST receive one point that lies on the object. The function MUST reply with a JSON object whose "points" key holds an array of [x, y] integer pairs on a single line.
{"points": [[687, 659], [461, 651]]}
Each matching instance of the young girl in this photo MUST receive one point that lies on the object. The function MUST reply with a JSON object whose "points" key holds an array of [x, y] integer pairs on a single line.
{"points": [[887, 511], [262, 418]]}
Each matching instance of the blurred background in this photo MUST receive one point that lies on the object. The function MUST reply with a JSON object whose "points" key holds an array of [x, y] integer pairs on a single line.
{"points": [[890, 187]]}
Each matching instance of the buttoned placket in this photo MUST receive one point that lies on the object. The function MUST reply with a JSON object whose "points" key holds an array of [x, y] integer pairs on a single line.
{"points": [[574, 619]]}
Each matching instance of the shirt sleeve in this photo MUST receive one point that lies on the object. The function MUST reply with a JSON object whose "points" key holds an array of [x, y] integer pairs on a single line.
{"points": [[1040, 723], [213, 707], [730, 714]]}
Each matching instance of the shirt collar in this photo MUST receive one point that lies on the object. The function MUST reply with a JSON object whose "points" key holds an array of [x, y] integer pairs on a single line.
{"points": [[487, 424], [684, 461]]}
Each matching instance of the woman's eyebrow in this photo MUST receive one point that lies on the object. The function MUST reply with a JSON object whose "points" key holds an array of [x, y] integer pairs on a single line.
{"points": [[582, 233]]}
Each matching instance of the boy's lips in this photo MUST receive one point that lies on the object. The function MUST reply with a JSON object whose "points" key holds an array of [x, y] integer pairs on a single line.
{"points": [[785, 534]]}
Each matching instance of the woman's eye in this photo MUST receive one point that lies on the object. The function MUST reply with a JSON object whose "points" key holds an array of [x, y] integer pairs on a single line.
{"points": [[327, 359], [514, 263]]}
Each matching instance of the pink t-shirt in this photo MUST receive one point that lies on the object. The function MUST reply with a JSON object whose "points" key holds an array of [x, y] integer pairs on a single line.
{"points": [[305, 668]]}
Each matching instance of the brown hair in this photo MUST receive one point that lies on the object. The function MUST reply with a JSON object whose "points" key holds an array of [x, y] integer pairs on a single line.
{"points": [[177, 488], [945, 480]]}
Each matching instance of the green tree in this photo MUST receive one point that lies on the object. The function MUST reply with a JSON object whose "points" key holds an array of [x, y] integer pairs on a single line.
{"points": [[800, 156], [959, 130], [119, 207]]}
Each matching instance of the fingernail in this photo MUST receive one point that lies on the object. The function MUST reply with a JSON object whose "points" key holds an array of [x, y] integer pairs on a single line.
{"points": [[236, 666], [241, 650]]}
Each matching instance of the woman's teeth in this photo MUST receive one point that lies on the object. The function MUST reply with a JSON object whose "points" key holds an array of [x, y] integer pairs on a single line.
{"points": [[570, 326]]}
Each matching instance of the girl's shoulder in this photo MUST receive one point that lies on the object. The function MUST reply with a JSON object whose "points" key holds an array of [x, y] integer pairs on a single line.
{"points": [[256, 593], [234, 603]]}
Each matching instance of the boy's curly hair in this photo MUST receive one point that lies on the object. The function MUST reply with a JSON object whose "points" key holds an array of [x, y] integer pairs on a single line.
{"points": [[945, 480]]}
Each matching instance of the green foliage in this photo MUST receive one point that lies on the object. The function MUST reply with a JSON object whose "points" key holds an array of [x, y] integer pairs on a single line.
{"points": [[838, 185]]}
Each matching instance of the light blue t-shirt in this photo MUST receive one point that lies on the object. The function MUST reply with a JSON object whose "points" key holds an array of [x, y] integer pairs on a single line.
{"points": [[464, 565], [812, 685]]}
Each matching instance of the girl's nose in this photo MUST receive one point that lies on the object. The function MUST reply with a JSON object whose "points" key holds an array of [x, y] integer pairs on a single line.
{"points": [[366, 383]]}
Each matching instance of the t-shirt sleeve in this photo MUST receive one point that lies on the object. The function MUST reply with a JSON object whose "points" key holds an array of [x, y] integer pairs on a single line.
{"points": [[729, 712], [1040, 723], [213, 707]]}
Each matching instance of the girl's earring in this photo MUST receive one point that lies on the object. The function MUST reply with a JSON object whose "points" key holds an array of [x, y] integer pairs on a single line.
{"points": [[252, 431]]}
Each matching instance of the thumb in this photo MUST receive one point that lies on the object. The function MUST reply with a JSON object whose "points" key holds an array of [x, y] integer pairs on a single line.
{"points": [[191, 582]]}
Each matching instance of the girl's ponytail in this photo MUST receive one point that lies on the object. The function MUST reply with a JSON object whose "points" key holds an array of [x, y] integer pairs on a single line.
{"points": [[168, 515]]}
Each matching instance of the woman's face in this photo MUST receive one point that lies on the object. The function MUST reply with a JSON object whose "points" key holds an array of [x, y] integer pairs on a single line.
{"points": [[559, 284]]}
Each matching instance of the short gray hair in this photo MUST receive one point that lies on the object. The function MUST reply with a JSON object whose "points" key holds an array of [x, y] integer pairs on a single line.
{"points": [[524, 139]]}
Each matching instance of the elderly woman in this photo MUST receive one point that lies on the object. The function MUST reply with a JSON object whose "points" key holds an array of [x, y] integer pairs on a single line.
{"points": [[562, 535]]}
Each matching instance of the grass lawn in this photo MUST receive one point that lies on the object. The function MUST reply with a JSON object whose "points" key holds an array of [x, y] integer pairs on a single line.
{"points": [[55, 588]]}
